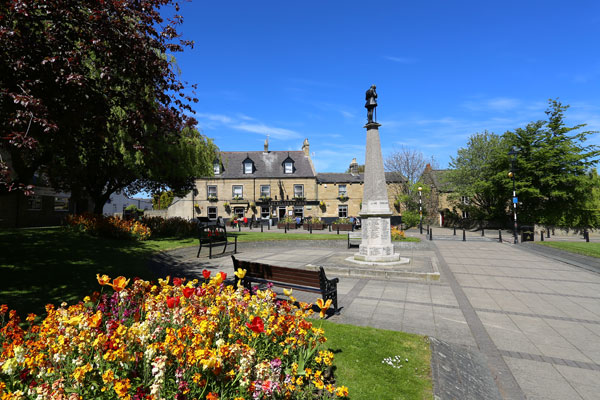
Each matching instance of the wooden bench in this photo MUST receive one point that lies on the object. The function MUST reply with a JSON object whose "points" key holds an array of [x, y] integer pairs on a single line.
{"points": [[215, 235], [300, 279], [353, 237]]}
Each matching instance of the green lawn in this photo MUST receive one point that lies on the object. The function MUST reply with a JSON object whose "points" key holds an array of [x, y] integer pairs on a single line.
{"points": [[51, 265], [585, 248], [359, 352]]}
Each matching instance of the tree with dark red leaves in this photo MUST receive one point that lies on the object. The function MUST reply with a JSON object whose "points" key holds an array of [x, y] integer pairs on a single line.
{"points": [[90, 97]]}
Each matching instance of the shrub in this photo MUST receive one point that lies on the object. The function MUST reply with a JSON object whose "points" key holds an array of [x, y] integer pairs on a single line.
{"points": [[288, 220], [160, 341], [171, 227], [110, 227], [410, 219], [342, 221]]}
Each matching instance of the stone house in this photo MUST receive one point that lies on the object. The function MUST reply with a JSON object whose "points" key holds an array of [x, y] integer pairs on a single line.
{"points": [[271, 185]]}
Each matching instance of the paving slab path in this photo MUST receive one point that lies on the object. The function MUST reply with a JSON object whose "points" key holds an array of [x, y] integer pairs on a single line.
{"points": [[505, 322]]}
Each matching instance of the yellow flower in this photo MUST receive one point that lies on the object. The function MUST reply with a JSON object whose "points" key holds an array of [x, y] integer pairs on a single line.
{"points": [[341, 391], [323, 307], [240, 273], [121, 387], [103, 280], [287, 292], [119, 283]]}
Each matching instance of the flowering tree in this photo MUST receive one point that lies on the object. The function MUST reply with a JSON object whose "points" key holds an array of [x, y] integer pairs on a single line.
{"points": [[88, 91]]}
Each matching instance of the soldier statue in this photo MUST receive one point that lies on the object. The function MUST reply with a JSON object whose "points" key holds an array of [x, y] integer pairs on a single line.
{"points": [[371, 97]]}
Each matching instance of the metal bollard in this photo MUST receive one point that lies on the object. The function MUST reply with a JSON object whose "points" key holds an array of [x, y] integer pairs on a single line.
{"points": [[239, 227], [261, 227], [420, 229], [464, 235], [500, 235], [548, 233], [587, 236], [454, 231], [431, 234], [329, 227], [285, 228], [338, 229], [482, 232], [310, 228], [542, 236]]}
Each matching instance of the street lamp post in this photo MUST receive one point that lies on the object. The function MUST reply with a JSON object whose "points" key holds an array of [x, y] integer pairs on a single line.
{"points": [[513, 152], [420, 212]]}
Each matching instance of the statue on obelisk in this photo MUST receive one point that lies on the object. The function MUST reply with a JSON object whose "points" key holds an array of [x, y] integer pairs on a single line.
{"points": [[376, 245]]}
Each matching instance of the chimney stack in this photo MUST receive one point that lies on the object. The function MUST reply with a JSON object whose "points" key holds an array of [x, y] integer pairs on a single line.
{"points": [[354, 167], [266, 145], [306, 147]]}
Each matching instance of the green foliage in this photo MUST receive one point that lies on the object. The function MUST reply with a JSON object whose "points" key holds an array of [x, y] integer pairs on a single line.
{"points": [[342, 221], [162, 200], [133, 208], [171, 227], [553, 173], [410, 219]]}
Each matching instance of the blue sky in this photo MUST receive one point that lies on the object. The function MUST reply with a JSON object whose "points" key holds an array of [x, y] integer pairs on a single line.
{"points": [[444, 70]]}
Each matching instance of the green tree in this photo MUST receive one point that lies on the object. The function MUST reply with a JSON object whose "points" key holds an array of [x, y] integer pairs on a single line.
{"points": [[552, 173], [90, 95], [162, 200], [478, 173]]}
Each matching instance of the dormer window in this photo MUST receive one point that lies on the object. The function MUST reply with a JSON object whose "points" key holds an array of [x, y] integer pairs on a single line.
{"points": [[248, 166], [288, 166], [216, 168]]}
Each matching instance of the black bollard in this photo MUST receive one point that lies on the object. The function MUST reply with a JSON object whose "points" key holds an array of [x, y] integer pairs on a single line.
{"points": [[464, 235], [269, 225], [548, 233], [431, 234], [285, 228], [420, 229], [542, 236], [587, 236], [239, 227], [454, 231], [482, 232], [500, 235], [261, 226], [338, 229], [310, 228], [329, 227]]}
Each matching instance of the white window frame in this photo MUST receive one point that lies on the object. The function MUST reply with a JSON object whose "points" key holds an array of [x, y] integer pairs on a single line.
{"points": [[288, 167], [210, 192], [61, 200], [267, 192], [342, 190], [212, 210], [241, 191], [239, 212], [34, 203], [264, 212], [343, 209], [465, 214], [299, 193], [248, 167]]}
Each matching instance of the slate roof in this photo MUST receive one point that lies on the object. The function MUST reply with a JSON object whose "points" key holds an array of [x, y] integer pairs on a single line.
{"points": [[438, 178], [266, 164], [335, 177]]}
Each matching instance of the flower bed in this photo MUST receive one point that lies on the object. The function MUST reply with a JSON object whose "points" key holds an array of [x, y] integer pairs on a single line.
{"points": [[110, 227], [171, 227], [185, 340]]}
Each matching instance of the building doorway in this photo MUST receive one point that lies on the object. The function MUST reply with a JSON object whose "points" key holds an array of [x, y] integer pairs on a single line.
{"points": [[281, 212]]}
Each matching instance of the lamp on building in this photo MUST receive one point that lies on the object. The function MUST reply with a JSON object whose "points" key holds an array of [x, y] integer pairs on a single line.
{"points": [[513, 152], [420, 211]]}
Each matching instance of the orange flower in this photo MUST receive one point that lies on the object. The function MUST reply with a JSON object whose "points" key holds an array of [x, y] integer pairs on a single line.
{"points": [[323, 307], [119, 283], [212, 396], [103, 280]]}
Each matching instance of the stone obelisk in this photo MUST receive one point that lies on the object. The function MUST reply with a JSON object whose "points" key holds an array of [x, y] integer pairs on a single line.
{"points": [[375, 214]]}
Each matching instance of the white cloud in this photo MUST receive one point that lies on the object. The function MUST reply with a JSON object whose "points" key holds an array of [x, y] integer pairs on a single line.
{"points": [[401, 60], [279, 133], [215, 117], [500, 104]]}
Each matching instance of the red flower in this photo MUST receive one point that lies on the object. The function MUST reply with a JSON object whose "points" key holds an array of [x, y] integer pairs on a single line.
{"points": [[206, 274], [200, 291], [188, 291], [223, 275], [257, 325], [172, 302], [177, 281]]}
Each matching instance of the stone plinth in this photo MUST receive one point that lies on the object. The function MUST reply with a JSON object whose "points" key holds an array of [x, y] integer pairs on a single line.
{"points": [[376, 245]]}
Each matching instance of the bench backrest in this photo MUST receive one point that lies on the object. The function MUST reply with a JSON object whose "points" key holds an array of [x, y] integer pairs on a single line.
{"points": [[279, 274]]}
